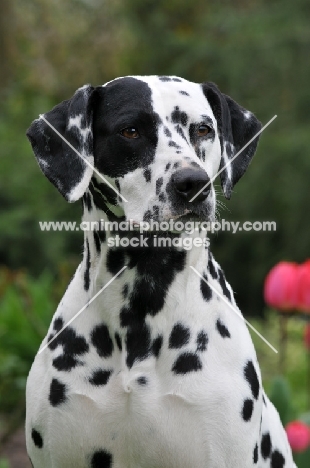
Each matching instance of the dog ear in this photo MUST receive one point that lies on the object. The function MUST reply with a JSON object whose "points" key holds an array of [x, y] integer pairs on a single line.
{"points": [[236, 127], [58, 161]]}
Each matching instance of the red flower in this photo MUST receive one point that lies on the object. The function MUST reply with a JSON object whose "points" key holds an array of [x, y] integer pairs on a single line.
{"points": [[298, 434], [280, 289], [303, 286]]}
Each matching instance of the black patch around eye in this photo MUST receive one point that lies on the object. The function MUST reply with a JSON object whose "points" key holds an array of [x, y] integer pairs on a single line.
{"points": [[100, 377], [255, 454], [142, 380], [205, 289], [187, 362], [167, 132], [184, 93], [101, 459], [277, 460], [37, 438], [101, 339], [167, 167], [156, 346], [115, 260], [159, 183], [223, 284], [138, 341], [179, 336], [118, 341], [179, 117], [222, 329], [265, 446], [147, 173], [57, 393], [202, 341], [251, 376], [211, 268], [87, 268], [247, 409]]}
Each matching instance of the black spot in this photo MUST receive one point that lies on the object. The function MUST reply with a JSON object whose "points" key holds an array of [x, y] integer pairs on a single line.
{"points": [[251, 376], [73, 345], [87, 268], [179, 336], [147, 215], [186, 362], [277, 460], [118, 341], [173, 144], [265, 446], [202, 341], [142, 380], [87, 201], [264, 400], [223, 284], [255, 454], [37, 438], [247, 409], [156, 346], [211, 268], [147, 174], [176, 165], [117, 185], [178, 116], [100, 377], [57, 393], [165, 78], [180, 132], [184, 93], [177, 80], [159, 183], [205, 289], [138, 343], [162, 197], [167, 167], [222, 329], [101, 459], [101, 339], [58, 324], [167, 132], [125, 290], [115, 260], [97, 241], [102, 235]]}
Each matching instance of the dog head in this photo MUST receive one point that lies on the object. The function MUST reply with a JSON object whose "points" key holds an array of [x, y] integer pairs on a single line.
{"points": [[157, 142]]}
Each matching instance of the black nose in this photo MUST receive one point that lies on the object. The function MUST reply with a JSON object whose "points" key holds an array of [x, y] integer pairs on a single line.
{"points": [[188, 182]]}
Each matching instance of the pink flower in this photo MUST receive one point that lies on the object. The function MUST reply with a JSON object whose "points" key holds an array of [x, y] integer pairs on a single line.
{"points": [[298, 434], [280, 289], [303, 286]]}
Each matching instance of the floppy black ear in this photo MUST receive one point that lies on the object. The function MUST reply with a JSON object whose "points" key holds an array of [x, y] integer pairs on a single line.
{"points": [[236, 127], [60, 163]]}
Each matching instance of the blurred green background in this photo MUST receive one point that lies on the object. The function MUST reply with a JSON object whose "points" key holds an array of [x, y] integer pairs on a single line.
{"points": [[256, 51]]}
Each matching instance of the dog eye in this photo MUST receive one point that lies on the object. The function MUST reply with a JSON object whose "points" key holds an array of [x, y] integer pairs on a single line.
{"points": [[203, 130], [130, 132]]}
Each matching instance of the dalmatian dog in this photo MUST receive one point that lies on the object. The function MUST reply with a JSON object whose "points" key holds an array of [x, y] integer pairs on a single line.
{"points": [[157, 371]]}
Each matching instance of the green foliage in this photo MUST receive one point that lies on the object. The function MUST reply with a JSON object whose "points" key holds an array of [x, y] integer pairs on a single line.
{"points": [[26, 310], [280, 396], [4, 463]]}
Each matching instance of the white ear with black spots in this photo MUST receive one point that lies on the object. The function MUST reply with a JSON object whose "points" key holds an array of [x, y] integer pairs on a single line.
{"points": [[60, 163], [236, 127]]}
